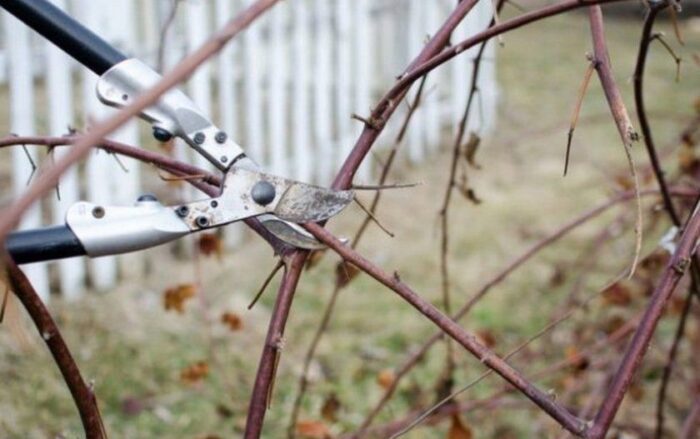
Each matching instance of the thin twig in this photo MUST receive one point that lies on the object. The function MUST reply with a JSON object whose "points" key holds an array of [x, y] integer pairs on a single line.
{"points": [[672, 274], [671, 361], [619, 113], [372, 216], [381, 187], [267, 281], [467, 340]]}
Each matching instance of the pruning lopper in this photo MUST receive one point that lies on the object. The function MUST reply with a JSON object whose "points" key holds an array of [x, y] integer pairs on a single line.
{"points": [[247, 191]]}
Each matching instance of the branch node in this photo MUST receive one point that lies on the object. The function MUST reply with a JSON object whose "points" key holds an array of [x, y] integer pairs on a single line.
{"points": [[376, 124]]}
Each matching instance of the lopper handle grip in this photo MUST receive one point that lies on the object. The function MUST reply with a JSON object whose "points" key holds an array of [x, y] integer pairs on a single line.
{"points": [[44, 244], [65, 32]]}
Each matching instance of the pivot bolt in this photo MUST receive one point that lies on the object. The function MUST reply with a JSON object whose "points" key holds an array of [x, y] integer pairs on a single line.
{"points": [[182, 211], [199, 138], [263, 193], [161, 135], [220, 137], [202, 221]]}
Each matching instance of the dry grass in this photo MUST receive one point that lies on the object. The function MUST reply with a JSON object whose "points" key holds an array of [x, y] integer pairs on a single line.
{"points": [[133, 350]]}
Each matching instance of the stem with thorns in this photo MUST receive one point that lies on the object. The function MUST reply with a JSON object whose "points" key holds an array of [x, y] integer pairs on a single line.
{"points": [[81, 392]]}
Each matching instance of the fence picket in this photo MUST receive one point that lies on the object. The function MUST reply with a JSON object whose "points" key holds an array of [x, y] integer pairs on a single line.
{"points": [[415, 36], [302, 150], [362, 80], [278, 102], [252, 95], [22, 121], [343, 105], [100, 166], [227, 100], [60, 115], [322, 93]]}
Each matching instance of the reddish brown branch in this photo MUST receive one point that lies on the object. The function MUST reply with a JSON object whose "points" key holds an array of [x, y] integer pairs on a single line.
{"points": [[692, 422], [518, 262], [274, 342], [451, 328], [82, 394], [601, 61], [635, 352], [670, 362]]}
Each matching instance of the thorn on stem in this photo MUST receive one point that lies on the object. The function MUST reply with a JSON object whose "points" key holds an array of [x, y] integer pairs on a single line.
{"points": [[31, 162], [373, 123], [381, 187]]}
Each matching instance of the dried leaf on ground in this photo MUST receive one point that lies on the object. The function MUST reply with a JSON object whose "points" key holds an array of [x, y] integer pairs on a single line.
{"points": [[385, 378], [232, 320], [174, 298], [195, 372], [210, 244], [313, 430], [459, 429], [330, 408], [617, 294]]}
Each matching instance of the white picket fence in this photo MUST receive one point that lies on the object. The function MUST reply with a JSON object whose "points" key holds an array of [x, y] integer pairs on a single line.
{"points": [[285, 90]]}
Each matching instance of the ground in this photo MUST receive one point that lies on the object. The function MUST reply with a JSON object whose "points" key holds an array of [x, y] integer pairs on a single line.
{"points": [[134, 351]]}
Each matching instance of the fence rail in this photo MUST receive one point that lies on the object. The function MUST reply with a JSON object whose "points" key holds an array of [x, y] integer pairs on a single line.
{"points": [[285, 90]]}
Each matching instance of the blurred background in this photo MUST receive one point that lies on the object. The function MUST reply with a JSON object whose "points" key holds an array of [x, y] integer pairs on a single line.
{"points": [[165, 335]]}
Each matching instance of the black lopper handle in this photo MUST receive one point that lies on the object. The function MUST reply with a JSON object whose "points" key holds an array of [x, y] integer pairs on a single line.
{"points": [[65, 32], [45, 244]]}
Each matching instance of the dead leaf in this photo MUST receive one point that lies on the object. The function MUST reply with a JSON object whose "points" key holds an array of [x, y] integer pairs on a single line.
{"points": [[617, 294], [486, 337], [345, 272], [313, 430], [459, 429], [314, 258], [329, 410], [210, 244], [613, 324], [578, 361], [174, 298], [232, 320], [386, 378], [195, 373], [470, 149]]}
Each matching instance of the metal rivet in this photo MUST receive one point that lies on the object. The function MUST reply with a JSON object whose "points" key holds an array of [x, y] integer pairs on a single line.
{"points": [[214, 204], [98, 212], [220, 137], [182, 211], [263, 193], [223, 159], [161, 135], [202, 221], [199, 138]]}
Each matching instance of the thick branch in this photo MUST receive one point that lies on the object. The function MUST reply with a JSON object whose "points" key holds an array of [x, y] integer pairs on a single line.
{"points": [[451, 328], [82, 394], [635, 352]]}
